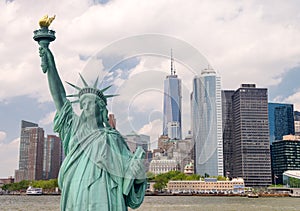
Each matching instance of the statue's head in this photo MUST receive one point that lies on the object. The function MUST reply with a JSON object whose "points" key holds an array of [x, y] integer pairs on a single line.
{"points": [[91, 105], [90, 94]]}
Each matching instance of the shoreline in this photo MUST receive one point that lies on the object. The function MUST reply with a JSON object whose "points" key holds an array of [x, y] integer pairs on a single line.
{"points": [[174, 194], [220, 195]]}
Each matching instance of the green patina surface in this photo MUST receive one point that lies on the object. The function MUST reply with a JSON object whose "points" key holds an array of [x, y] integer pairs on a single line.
{"points": [[99, 171]]}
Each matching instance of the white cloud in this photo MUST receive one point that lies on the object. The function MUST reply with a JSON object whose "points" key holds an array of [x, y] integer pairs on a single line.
{"points": [[9, 154], [48, 119], [294, 99], [118, 82], [2, 136], [152, 129], [240, 39]]}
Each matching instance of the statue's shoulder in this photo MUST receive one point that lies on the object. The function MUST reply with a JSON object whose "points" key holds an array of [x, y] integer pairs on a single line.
{"points": [[114, 134], [112, 131]]}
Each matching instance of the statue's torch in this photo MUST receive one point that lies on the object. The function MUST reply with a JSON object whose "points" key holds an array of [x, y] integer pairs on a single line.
{"points": [[44, 36]]}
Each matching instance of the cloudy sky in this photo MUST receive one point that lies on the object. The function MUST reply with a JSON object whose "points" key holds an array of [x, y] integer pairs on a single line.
{"points": [[128, 44]]}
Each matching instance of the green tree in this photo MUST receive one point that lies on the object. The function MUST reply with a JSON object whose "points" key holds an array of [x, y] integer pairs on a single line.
{"points": [[161, 181], [294, 182], [193, 177], [179, 176], [24, 184], [221, 178], [150, 176]]}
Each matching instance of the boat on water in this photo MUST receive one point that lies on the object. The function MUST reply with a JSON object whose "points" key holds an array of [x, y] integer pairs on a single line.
{"points": [[34, 191], [252, 195], [294, 192]]}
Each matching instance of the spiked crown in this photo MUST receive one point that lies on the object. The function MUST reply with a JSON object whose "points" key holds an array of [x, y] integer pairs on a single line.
{"points": [[90, 90]]}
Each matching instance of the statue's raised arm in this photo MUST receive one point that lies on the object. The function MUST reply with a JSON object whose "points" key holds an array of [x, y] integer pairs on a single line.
{"points": [[99, 171], [44, 36]]}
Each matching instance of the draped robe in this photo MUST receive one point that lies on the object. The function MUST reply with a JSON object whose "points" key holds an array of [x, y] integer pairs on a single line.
{"points": [[95, 173]]}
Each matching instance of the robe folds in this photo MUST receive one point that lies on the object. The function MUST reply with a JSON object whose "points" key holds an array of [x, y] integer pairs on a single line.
{"points": [[95, 174]]}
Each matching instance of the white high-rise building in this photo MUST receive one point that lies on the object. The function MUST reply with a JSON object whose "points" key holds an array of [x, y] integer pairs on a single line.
{"points": [[207, 123]]}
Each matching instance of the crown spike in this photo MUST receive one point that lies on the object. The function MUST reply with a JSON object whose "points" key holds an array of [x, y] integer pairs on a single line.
{"points": [[84, 82], [76, 87], [96, 83], [90, 90], [106, 88], [108, 96], [75, 95]]}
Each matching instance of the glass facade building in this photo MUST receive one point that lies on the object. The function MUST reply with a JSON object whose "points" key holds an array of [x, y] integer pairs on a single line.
{"points": [[291, 179], [134, 140], [297, 122], [227, 128], [285, 156], [207, 123], [281, 120], [172, 107]]}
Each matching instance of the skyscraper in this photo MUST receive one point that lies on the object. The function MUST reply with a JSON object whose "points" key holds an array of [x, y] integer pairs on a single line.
{"points": [[297, 122], [207, 123], [112, 121], [31, 152], [285, 156], [281, 120], [172, 105], [227, 128], [251, 146], [52, 157], [135, 140]]}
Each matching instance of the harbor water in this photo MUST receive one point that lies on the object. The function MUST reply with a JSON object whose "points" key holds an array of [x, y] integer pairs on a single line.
{"points": [[159, 203]]}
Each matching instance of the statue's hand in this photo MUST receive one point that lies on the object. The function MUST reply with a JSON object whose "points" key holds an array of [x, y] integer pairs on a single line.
{"points": [[137, 169], [43, 54]]}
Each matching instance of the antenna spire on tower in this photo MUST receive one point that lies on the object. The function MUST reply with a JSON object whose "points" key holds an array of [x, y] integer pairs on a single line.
{"points": [[172, 62]]}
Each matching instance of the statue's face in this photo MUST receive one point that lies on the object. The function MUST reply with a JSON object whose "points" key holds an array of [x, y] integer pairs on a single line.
{"points": [[89, 106]]}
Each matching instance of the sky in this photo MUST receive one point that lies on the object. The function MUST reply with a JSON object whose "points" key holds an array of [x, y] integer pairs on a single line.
{"points": [[127, 44]]}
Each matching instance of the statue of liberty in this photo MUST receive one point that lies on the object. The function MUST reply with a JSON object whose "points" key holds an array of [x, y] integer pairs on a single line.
{"points": [[99, 171]]}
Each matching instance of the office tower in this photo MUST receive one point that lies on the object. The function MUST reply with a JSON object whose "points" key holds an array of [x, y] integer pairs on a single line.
{"points": [[297, 122], [31, 152], [112, 121], [52, 157], [281, 120], [134, 140], [164, 143], [285, 156], [227, 128], [207, 123], [251, 144], [182, 153], [297, 115], [172, 105]]}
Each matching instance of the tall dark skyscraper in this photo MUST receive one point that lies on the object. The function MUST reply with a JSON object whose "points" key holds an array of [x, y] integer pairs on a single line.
{"points": [[297, 122], [251, 148], [172, 105], [281, 120], [250, 144], [227, 128], [53, 156], [31, 152]]}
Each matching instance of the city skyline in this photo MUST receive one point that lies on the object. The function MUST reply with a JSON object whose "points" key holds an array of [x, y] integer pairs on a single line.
{"points": [[244, 42]]}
